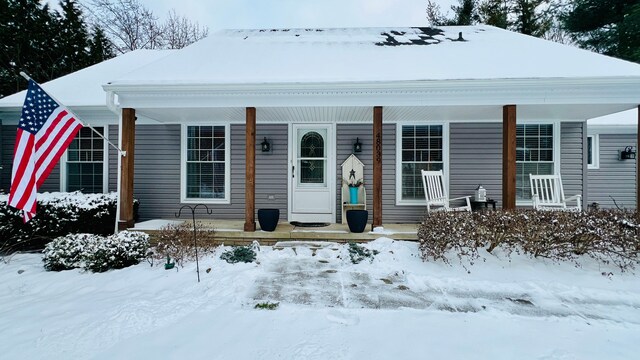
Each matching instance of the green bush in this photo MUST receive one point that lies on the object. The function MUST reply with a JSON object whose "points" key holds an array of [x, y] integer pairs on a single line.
{"points": [[609, 236], [239, 254], [357, 253], [58, 214], [117, 251], [67, 252], [94, 252]]}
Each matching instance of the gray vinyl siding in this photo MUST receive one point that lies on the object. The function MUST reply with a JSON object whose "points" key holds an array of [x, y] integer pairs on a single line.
{"points": [[346, 137], [8, 136], [615, 178], [271, 168], [156, 179], [157, 171], [571, 159], [475, 158]]}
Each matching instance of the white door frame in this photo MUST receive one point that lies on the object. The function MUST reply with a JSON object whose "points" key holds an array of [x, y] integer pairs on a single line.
{"points": [[331, 165]]}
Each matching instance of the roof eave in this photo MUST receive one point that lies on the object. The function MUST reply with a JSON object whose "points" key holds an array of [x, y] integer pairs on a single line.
{"points": [[585, 90]]}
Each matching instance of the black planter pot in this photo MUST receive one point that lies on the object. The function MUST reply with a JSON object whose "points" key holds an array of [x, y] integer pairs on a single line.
{"points": [[357, 220], [268, 219]]}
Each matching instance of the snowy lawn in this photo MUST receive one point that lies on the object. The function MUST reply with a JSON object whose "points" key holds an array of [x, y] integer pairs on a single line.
{"points": [[394, 307]]}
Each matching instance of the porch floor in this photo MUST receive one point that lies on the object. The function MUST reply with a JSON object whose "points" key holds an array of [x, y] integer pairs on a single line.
{"points": [[231, 232]]}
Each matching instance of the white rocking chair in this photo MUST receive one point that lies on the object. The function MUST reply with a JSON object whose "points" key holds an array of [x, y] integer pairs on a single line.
{"points": [[547, 194], [436, 194]]}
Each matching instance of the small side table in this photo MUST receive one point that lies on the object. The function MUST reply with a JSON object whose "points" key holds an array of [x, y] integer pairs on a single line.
{"points": [[483, 205]]}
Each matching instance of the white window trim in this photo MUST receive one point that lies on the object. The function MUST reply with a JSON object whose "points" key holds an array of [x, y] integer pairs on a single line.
{"points": [[556, 149], [183, 165], [105, 164], [445, 159], [595, 148]]}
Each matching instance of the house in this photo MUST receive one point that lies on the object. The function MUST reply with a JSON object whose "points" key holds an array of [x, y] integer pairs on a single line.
{"points": [[611, 174], [486, 105]]}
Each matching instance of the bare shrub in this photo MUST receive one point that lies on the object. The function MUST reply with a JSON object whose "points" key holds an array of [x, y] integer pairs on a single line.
{"points": [[442, 232], [176, 242], [608, 236]]}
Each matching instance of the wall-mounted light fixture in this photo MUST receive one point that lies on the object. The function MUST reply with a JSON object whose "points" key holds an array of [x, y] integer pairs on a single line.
{"points": [[266, 146], [357, 146], [629, 153]]}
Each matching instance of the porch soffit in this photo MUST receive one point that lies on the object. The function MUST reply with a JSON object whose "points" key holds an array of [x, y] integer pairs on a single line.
{"points": [[362, 114]]}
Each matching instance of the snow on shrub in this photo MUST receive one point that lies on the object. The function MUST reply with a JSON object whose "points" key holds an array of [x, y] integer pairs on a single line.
{"points": [[57, 214], [67, 252], [609, 236], [117, 251], [94, 252]]}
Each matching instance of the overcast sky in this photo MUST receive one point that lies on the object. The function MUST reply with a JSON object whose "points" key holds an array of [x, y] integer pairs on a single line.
{"points": [[236, 14]]}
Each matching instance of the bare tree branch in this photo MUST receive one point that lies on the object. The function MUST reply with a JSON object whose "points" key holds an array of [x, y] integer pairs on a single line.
{"points": [[179, 31]]}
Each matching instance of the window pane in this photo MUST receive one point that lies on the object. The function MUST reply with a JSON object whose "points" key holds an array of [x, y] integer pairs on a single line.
{"points": [[206, 132], [312, 171], [422, 131], [590, 150], [312, 145]]}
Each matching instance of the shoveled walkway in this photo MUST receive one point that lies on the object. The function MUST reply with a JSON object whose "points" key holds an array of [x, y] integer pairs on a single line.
{"points": [[321, 274]]}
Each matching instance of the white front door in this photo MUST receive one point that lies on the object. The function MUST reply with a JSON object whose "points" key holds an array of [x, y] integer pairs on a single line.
{"points": [[312, 177]]}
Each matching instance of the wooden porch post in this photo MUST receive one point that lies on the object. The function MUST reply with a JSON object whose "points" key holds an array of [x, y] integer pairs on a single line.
{"points": [[250, 171], [377, 166], [509, 157], [127, 142], [638, 168]]}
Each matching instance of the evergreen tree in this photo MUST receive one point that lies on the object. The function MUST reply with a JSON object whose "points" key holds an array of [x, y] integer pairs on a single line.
{"points": [[495, 13], [608, 27], [100, 48], [72, 46], [27, 38], [531, 17], [466, 13], [44, 43]]}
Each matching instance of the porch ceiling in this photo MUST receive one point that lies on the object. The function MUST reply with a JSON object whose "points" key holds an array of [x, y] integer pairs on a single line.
{"points": [[392, 114]]}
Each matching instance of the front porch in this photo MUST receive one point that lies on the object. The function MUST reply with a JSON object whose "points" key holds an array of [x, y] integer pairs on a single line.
{"points": [[231, 232]]}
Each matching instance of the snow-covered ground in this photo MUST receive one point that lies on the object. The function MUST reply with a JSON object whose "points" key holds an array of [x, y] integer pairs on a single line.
{"points": [[394, 307]]}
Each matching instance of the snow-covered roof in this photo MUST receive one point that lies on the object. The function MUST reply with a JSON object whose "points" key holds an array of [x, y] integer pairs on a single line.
{"points": [[620, 122], [373, 54], [84, 87]]}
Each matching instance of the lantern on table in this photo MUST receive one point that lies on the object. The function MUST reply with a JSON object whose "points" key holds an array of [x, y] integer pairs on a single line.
{"points": [[480, 194]]}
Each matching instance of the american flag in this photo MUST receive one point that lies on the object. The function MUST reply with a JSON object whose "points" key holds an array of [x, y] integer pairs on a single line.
{"points": [[45, 130]]}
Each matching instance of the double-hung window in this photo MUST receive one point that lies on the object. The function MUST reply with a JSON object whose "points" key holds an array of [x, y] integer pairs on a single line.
{"points": [[535, 154], [85, 161], [205, 176], [421, 147]]}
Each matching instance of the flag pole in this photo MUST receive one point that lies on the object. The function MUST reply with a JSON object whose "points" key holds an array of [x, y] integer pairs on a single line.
{"points": [[122, 153]]}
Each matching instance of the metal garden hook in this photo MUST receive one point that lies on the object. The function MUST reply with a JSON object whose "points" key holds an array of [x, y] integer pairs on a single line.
{"points": [[193, 217]]}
